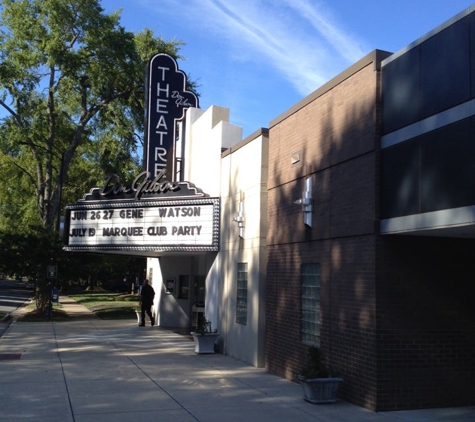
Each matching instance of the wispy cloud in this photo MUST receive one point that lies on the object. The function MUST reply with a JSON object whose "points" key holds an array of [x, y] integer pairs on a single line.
{"points": [[260, 57], [323, 21], [300, 38]]}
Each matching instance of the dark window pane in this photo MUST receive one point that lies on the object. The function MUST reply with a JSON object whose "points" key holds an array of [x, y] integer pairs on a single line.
{"points": [[400, 179], [447, 163], [445, 69], [401, 98]]}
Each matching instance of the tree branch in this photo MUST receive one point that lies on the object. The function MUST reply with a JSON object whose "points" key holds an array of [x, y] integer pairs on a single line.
{"points": [[12, 112], [25, 171]]}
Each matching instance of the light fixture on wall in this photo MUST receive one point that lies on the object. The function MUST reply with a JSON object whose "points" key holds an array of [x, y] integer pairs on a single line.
{"points": [[240, 219], [307, 202]]}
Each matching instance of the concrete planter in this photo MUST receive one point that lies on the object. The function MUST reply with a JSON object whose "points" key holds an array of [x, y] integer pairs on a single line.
{"points": [[204, 343], [319, 390]]}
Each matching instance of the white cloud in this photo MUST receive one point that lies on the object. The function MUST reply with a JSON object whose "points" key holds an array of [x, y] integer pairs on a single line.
{"points": [[323, 21], [297, 38]]}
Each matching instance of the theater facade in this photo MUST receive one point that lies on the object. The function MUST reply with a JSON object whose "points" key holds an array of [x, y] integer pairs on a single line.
{"points": [[349, 225]]}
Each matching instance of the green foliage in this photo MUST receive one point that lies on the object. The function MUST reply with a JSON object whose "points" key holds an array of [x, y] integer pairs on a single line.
{"points": [[91, 300], [315, 367], [116, 313], [27, 252], [204, 326], [109, 305], [72, 87]]}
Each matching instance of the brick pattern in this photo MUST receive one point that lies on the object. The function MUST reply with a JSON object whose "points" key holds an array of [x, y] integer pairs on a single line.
{"points": [[336, 136], [397, 311], [426, 323], [348, 311]]}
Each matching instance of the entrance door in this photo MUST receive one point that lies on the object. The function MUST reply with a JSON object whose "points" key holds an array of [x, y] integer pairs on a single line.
{"points": [[198, 300]]}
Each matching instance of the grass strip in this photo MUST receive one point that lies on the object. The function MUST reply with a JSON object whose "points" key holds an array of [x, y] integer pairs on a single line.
{"points": [[109, 305]]}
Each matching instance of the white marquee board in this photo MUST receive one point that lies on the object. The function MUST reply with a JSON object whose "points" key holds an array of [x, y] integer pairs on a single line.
{"points": [[160, 226]]}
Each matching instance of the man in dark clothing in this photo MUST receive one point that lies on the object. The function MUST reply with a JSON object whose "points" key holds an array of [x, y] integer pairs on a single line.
{"points": [[146, 300]]}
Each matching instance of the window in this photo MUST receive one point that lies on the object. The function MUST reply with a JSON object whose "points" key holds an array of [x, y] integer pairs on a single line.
{"points": [[241, 300], [170, 285], [310, 326]]}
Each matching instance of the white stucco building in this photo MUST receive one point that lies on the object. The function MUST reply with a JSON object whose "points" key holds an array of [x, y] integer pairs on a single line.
{"points": [[225, 286]]}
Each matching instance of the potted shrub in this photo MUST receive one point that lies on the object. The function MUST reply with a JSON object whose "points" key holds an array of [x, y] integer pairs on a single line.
{"points": [[319, 383], [204, 337]]}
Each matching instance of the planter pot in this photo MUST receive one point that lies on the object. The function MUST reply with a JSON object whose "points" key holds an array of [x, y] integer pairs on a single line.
{"points": [[320, 390], [204, 343]]}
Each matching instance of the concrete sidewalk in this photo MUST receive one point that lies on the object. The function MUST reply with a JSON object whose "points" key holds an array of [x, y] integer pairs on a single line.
{"points": [[88, 369]]}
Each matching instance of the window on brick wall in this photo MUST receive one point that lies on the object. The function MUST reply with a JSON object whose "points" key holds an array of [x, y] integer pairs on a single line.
{"points": [[310, 285], [241, 298]]}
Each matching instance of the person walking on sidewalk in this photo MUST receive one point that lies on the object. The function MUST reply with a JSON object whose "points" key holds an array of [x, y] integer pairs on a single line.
{"points": [[146, 300]]}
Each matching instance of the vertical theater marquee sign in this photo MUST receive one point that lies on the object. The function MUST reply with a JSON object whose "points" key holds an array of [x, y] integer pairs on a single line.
{"points": [[155, 213], [167, 100]]}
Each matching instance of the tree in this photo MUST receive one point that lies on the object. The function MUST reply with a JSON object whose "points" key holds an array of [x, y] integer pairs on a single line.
{"points": [[27, 253], [72, 88], [71, 112]]}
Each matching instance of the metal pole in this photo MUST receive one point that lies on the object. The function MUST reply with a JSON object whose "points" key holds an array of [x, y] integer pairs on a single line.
{"points": [[49, 312]]}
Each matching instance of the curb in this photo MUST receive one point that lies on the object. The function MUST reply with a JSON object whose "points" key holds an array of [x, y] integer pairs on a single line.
{"points": [[6, 318]]}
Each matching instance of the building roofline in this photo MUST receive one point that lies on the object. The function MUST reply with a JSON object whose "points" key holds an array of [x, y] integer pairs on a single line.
{"points": [[430, 34], [260, 132], [376, 57]]}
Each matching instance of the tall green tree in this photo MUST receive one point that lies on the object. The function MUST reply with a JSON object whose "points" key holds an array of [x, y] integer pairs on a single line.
{"points": [[72, 96], [71, 112]]}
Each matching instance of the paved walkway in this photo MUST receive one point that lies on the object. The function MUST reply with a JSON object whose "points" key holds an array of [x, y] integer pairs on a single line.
{"points": [[87, 369]]}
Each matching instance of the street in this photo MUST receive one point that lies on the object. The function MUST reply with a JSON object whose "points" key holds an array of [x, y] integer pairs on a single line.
{"points": [[13, 294]]}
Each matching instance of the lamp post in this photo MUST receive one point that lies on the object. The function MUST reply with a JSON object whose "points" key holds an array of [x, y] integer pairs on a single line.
{"points": [[51, 275]]}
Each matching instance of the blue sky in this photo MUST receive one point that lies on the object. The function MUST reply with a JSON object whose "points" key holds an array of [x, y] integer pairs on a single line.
{"points": [[260, 57]]}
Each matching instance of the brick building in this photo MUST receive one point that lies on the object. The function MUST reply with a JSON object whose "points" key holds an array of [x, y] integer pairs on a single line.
{"points": [[348, 225], [381, 275]]}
